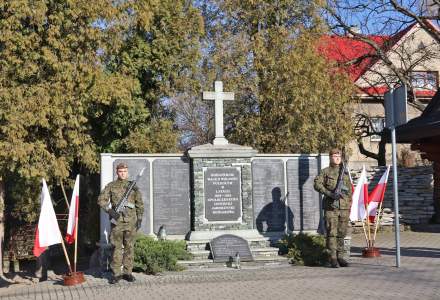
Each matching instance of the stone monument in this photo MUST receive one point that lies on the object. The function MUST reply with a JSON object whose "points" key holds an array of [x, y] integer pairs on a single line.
{"points": [[222, 182], [221, 197]]}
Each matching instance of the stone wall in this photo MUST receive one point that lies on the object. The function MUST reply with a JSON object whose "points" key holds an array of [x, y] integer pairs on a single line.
{"points": [[415, 186], [165, 181], [283, 193], [276, 190]]}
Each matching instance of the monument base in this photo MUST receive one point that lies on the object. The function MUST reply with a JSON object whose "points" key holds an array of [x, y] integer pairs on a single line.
{"points": [[261, 246], [220, 141], [247, 234], [370, 252]]}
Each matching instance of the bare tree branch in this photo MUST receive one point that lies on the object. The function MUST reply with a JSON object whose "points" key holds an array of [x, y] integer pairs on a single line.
{"points": [[423, 21]]}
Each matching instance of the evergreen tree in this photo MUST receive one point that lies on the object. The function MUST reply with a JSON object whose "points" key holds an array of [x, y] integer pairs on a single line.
{"points": [[161, 49], [82, 77], [288, 98]]}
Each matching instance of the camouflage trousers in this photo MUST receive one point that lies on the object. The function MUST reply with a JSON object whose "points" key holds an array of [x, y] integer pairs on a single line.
{"points": [[122, 239], [336, 222]]}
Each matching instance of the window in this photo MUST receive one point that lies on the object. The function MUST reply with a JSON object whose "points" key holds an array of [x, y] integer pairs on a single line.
{"points": [[378, 124], [425, 80]]}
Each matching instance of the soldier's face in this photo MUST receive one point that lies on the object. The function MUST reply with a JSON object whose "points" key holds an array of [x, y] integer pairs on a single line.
{"points": [[335, 159], [122, 173]]}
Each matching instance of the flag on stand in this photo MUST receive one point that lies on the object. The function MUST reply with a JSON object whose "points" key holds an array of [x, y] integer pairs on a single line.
{"points": [[73, 213], [360, 198], [47, 232], [377, 195]]}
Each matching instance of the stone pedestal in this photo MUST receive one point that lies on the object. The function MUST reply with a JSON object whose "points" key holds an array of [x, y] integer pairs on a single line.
{"points": [[222, 186]]}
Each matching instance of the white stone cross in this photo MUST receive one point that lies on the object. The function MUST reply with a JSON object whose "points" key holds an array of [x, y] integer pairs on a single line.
{"points": [[218, 96]]}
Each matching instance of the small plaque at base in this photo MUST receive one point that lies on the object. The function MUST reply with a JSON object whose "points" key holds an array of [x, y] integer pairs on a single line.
{"points": [[226, 247]]}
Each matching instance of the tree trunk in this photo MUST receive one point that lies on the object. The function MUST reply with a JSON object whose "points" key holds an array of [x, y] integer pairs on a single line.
{"points": [[380, 156], [382, 160], [2, 229]]}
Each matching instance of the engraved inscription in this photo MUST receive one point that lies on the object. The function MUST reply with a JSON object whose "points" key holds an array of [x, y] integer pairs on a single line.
{"points": [[225, 247], [222, 194], [171, 195]]}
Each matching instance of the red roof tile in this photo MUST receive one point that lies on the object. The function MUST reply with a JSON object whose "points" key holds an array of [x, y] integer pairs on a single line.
{"points": [[343, 49], [382, 89]]}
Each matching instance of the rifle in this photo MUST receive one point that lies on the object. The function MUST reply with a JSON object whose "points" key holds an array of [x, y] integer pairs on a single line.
{"points": [[123, 203], [340, 189]]}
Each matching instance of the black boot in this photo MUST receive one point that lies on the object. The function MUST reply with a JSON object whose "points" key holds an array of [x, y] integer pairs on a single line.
{"points": [[115, 279], [334, 263], [129, 277], [342, 262]]}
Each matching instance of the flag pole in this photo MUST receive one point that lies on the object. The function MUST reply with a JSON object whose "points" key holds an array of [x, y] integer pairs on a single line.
{"points": [[64, 193], [368, 223], [365, 232], [379, 216], [65, 252], [76, 237], [369, 231], [74, 277], [380, 211]]}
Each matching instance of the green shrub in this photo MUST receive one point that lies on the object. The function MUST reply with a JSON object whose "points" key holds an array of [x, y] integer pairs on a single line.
{"points": [[304, 249], [152, 256]]}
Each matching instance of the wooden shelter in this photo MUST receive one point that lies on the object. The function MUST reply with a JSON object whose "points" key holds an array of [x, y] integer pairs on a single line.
{"points": [[423, 133]]}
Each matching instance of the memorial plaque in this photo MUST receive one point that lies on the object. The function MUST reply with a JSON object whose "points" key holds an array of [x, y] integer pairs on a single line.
{"points": [[303, 200], [222, 194], [225, 247], [134, 167], [171, 196], [269, 194]]}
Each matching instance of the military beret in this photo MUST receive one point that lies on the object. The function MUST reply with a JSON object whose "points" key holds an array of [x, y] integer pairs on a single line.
{"points": [[121, 166], [335, 151]]}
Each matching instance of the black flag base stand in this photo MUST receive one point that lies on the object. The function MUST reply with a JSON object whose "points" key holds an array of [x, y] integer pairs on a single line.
{"points": [[370, 252], [74, 278]]}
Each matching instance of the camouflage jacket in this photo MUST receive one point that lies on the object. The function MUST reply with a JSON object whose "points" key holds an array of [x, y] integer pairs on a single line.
{"points": [[113, 193], [326, 182]]}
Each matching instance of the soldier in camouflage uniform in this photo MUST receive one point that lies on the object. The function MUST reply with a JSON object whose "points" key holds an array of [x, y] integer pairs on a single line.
{"points": [[127, 223], [336, 207]]}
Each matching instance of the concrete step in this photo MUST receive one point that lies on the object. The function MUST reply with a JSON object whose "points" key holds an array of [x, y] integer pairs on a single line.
{"points": [[251, 240], [265, 252], [257, 253], [196, 246], [204, 244], [258, 261], [201, 262], [201, 254]]}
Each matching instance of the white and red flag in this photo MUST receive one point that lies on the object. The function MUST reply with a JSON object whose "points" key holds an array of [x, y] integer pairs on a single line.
{"points": [[72, 222], [48, 232], [377, 195], [360, 198]]}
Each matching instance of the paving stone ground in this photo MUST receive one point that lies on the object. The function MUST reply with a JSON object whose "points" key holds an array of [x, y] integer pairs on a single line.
{"points": [[377, 278]]}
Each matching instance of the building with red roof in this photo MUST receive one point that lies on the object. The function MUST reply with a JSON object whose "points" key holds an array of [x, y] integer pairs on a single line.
{"points": [[411, 50]]}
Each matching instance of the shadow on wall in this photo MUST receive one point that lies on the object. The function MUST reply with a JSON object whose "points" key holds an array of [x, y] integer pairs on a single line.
{"points": [[272, 218]]}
